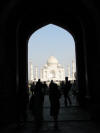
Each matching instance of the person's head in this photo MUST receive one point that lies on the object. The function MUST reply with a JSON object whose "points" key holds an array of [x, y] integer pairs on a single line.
{"points": [[62, 82], [66, 78], [44, 82], [51, 81], [74, 81], [39, 80]]}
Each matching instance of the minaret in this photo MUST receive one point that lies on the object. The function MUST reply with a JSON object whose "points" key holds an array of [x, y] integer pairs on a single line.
{"points": [[30, 71], [68, 72], [63, 74], [73, 70], [41, 75], [36, 73]]}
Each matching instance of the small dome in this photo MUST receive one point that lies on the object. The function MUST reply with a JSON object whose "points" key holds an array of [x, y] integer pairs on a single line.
{"points": [[52, 61]]}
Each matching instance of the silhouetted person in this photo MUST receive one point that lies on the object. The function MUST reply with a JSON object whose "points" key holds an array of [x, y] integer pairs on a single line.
{"points": [[32, 88], [67, 89], [54, 96], [45, 88], [36, 103], [62, 86], [75, 90]]}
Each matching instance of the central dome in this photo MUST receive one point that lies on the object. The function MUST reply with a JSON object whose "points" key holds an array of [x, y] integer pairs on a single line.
{"points": [[52, 61]]}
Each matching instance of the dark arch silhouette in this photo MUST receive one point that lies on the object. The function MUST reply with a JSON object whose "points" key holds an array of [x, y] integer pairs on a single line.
{"points": [[73, 26], [19, 20]]}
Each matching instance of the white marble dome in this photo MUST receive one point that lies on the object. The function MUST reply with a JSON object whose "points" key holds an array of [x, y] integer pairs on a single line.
{"points": [[52, 61]]}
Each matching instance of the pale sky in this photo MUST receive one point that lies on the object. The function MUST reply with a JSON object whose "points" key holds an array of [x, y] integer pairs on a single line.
{"points": [[51, 40]]}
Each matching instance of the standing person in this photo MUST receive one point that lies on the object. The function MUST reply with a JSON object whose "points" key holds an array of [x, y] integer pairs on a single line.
{"points": [[45, 88], [67, 89], [75, 91], [36, 105], [39, 90], [32, 88], [54, 96], [62, 86]]}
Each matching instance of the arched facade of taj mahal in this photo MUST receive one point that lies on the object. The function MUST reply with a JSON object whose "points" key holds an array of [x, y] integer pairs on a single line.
{"points": [[52, 70]]}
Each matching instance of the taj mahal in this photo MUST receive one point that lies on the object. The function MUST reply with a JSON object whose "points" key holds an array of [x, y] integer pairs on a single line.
{"points": [[52, 70]]}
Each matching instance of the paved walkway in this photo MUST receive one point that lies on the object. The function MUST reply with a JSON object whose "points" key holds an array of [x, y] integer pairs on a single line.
{"points": [[70, 113], [71, 120], [48, 127]]}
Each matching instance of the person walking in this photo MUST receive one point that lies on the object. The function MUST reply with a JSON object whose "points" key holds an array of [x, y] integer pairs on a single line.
{"points": [[54, 96], [36, 105], [67, 89]]}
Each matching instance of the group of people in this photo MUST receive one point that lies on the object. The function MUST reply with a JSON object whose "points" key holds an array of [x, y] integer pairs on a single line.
{"points": [[38, 91], [37, 101]]}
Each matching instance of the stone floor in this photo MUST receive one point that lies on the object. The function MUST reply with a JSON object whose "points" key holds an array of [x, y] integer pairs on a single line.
{"points": [[72, 119], [70, 113], [48, 127]]}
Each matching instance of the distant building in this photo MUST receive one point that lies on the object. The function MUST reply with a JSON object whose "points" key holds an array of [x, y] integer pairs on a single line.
{"points": [[52, 71]]}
